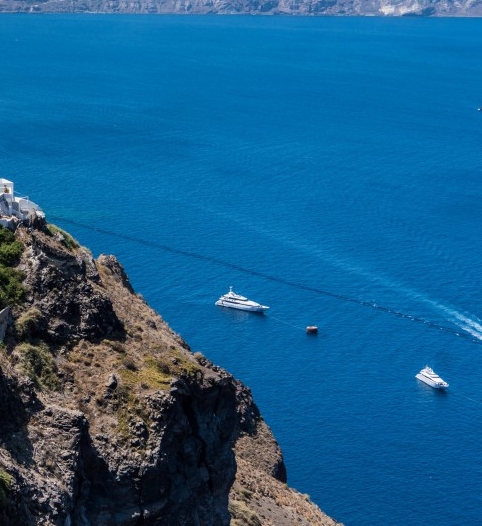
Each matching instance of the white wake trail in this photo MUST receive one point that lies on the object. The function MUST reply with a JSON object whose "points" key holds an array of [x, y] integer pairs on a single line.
{"points": [[472, 325]]}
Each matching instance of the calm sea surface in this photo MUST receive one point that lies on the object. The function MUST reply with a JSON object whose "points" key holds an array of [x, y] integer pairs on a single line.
{"points": [[330, 168]]}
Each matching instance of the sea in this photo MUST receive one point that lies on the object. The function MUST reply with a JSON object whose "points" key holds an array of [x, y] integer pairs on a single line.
{"points": [[330, 168]]}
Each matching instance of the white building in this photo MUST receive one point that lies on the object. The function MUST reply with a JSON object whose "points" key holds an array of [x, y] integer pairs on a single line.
{"points": [[13, 206]]}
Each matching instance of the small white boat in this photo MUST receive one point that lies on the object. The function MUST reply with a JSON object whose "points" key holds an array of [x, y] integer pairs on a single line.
{"points": [[312, 329], [236, 301], [428, 376]]}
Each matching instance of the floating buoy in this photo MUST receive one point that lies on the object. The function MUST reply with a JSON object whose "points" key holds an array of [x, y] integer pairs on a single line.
{"points": [[312, 329]]}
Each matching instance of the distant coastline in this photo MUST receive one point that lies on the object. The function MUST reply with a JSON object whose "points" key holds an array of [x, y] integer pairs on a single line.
{"points": [[391, 8]]}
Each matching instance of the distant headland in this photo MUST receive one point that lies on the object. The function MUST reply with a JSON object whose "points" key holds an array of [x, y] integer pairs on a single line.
{"points": [[437, 8]]}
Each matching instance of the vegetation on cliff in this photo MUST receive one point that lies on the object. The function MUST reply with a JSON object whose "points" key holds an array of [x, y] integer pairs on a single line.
{"points": [[11, 288]]}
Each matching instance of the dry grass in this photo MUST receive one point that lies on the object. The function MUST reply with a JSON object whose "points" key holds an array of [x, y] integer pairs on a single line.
{"points": [[272, 502], [146, 360]]}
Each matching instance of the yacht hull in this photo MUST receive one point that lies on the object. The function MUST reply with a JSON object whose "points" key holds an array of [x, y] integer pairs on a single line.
{"points": [[427, 376], [249, 308]]}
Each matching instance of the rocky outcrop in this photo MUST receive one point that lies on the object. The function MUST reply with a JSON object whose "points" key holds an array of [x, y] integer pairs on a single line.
{"points": [[108, 418], [261, 7], [65, 288]]}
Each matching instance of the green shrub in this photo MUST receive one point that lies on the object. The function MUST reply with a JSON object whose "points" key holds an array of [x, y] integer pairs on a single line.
{"points": [[6, 482], [6, 235], [10, 252], [39, 364], [26, 323], [11, 288], [65, 238]]}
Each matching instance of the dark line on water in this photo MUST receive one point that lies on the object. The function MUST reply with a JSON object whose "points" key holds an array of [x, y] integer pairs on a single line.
{"points": [[194, 255]]}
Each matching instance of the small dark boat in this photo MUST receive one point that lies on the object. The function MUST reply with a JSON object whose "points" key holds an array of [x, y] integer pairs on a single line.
{"points": [[312, 329]]}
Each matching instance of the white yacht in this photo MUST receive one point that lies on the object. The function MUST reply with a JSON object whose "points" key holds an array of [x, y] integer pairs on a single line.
{"points": [[431, 378], [235, 301]]}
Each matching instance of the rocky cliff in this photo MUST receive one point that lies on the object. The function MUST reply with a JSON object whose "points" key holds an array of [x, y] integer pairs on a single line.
{"points": [[262, 7], [108, 418]]}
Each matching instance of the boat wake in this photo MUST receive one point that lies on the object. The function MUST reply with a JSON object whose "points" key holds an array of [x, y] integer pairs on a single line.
{"points": [[465, 327], [469, 325]]}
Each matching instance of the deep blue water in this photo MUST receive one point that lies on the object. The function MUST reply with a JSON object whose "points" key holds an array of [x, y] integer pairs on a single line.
{"points": [[330, 168]]}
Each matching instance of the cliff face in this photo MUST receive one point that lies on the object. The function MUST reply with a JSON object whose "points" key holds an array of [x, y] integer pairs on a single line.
{"points": [[107, 418], [266, 7]]}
